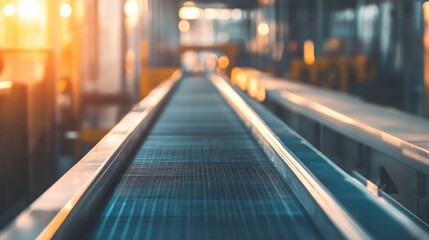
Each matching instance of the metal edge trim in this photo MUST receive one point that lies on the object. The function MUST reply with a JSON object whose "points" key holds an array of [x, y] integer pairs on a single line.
{"points": [[395, 207], [125, 129], [379, 134], [411, 223], [345, 223]]}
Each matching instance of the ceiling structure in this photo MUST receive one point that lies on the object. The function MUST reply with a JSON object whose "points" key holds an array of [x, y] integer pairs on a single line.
{"points": [[246, 4]]}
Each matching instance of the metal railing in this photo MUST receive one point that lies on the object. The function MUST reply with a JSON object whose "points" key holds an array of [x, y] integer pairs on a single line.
{"points": [[387, 147], [93, 173]]}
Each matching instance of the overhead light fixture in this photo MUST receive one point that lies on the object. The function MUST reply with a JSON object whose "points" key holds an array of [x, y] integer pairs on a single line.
{"points": [[190, 12], [263, 29], [29, 9], [131, 8], [65, 10], [9, 10]]}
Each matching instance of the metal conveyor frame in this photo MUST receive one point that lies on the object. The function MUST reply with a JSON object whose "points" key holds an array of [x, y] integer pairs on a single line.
{"points": [[82, 188], [93, 173]]}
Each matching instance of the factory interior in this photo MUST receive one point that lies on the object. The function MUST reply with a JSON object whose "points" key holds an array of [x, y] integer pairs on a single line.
{"points": [[214, 119]]}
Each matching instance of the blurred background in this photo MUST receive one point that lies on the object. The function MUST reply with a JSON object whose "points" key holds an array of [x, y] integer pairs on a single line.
{"points": [[70, 69]]}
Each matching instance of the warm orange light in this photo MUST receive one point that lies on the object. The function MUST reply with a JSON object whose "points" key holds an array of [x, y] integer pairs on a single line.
{"points": [[9, 10], [62, 85], [266, 2], [65, 10], [261, 94], [184, 26], [426, 54], [234, 73], [223, 62], [241, 80], [263, 29], [426, 7], [256, 89], [426, 22], [24, 67], [29, 27], [28, 9], [79, 10], [309, 57], [250, 81], [131, 8], [238, 77], [189, 4], [252, 87], [190, 12], [6, 84]]}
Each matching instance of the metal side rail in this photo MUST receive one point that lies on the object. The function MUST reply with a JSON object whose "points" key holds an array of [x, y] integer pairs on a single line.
{"points": [[46, 214], [389, 148], [377, 217]]}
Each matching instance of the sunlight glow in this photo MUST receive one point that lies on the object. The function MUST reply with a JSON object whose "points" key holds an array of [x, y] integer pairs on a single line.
{"points": [[9, 10], [29, 9], [190, 12], [6, 84], [65, 10], [131, 8]]}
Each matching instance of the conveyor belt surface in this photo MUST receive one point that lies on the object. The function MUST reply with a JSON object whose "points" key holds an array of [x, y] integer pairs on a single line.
{"points": [[200, 175]]}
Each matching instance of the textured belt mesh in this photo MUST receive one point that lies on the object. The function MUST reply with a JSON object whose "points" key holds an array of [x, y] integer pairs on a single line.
{"points": [[200, 175]]}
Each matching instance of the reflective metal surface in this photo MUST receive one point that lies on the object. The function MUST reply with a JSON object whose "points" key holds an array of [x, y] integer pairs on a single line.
{"points": [[385, 128], [339, 195], [330, 206], [43, 218], [356, 135]]}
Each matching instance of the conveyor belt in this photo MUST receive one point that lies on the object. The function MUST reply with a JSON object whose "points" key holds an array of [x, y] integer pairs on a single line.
{"points": [[200, 175]]}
